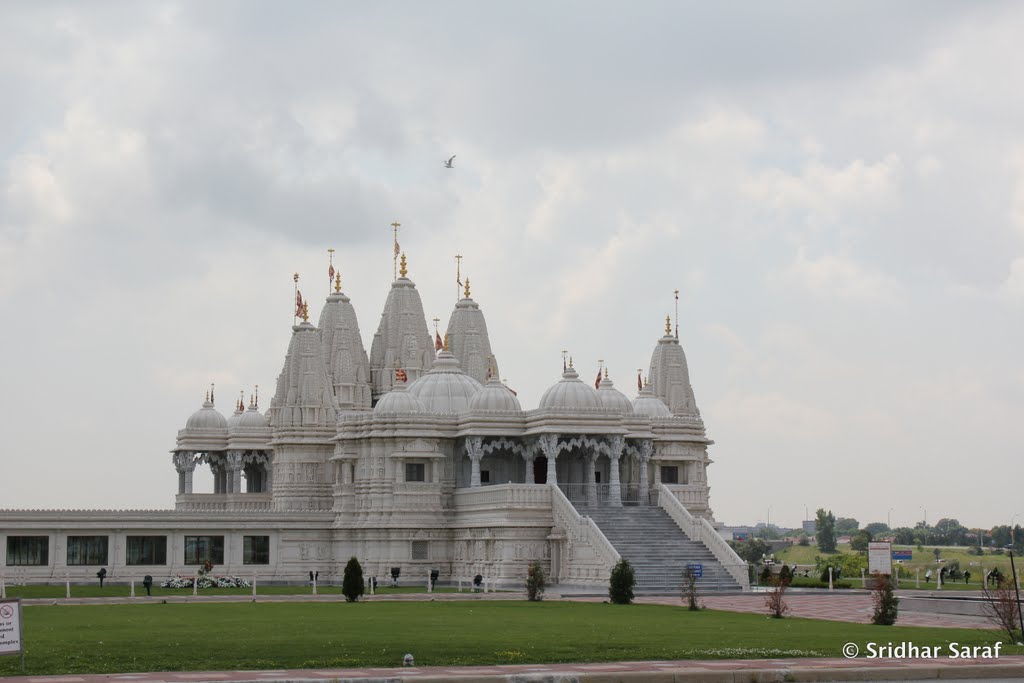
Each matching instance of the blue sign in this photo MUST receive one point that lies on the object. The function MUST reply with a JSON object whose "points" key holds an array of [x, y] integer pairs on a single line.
{"points": [[696, 569], [902, 554]]}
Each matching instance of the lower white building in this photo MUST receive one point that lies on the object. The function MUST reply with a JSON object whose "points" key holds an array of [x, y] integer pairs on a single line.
{"points": [[415, 459]]}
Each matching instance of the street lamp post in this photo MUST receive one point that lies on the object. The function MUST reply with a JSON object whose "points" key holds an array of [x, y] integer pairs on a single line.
{"points": [[925, 511], [888, 519]]}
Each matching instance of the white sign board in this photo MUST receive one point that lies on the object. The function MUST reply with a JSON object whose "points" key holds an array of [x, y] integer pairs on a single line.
{"points": [[880, 558], [10, 627]]}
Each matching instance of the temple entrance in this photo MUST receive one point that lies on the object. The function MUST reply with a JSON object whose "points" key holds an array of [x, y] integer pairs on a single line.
{"points": [[540, 470]]}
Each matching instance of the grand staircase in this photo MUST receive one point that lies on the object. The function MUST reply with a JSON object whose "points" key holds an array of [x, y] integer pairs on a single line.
{"points": [[657, 548]]}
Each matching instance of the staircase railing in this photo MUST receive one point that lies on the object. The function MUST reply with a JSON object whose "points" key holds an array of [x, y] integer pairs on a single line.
{"points": [[700, 529], [583, 530]]}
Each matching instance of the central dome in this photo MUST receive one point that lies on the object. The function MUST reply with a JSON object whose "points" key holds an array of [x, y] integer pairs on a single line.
{"points": [[570, 392], [446, 388]]}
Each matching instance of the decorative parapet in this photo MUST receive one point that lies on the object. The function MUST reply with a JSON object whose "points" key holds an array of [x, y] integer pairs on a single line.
{"points": [[226, 502], [700, 530], [589, 555]]}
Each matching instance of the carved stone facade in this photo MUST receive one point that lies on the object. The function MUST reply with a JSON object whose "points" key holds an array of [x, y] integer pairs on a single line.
{"points": [[413, 459]]}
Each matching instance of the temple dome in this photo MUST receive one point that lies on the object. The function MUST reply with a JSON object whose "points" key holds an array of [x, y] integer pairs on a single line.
{"points": [[649, 405], [235, 416], [399, 400], [612, 398], [253, 419], [206, 417], [446, 388], [570, 392], [495, 396]]}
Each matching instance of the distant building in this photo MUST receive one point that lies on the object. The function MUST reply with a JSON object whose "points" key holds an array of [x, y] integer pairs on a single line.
{"points": [[810, 526]]}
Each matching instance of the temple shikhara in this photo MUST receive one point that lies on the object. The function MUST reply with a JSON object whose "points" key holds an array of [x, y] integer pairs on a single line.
{"points": [[415, 456]]}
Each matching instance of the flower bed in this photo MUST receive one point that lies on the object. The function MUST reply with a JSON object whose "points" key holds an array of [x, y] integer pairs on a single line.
{"points": [[207, 582]]}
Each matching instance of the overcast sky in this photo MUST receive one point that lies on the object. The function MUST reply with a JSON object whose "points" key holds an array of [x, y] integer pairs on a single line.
{"points": [[836, 189]]}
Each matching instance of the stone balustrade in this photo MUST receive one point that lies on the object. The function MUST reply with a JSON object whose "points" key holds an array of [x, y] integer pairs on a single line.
{"points": [[700, 529]]}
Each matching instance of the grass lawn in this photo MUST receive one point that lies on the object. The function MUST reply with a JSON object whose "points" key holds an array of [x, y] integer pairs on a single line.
{"points": [[203, 636], [121, 591]]}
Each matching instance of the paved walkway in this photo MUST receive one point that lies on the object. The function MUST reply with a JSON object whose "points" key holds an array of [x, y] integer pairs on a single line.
{"points": [[712, 671]]}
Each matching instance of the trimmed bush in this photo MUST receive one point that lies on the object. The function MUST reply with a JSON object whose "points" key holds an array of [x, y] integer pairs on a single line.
{"points": [[352, 583], [535, 582], [621, 583]]}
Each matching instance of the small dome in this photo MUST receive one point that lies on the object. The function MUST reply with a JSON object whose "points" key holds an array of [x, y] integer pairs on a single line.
{"points": [[613, 398], [495, 396], [570, 392], [649, 405], [446, 388], [206, 417], [253, 419], [235, 416], [399, 400]]}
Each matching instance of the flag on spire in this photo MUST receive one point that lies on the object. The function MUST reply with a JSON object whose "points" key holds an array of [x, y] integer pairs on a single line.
{"points": [[639, 383], [330, 272], [298, 303], [398, 249], [438, 344], [597, 382]]}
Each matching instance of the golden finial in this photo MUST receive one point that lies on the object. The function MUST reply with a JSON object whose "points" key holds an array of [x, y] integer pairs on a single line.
{"points": [[252, 404], [606, 373], [668, 326], [212, 400], [570, 362], [337, 281], [444, 347], [402, 271], [305, 312], [256, 404], [467, 288], [295, 277], [241, 400], [206, 399]]}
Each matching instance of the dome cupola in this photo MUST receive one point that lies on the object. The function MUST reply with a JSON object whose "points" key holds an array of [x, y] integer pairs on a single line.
{"points": [[570, 392], [446, 388], [649, 405], [399, 400], [611, 397], [494, 397], [207, 417]]}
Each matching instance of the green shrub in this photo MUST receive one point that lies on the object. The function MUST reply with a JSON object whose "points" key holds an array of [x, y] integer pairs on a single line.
{"points": [[352, 583], [886, 604], [621, 583], [535, 582]]}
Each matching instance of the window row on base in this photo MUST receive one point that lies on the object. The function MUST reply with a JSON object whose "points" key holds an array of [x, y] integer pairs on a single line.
{"points": [[34, 551]]}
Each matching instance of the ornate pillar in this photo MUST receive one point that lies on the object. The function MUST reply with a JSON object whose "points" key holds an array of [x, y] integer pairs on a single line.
{"points": [[646, 449], [618, 443], [185, 463], [233, 463], [268, 478], [549, 447], [591, 484], [475, 451]]}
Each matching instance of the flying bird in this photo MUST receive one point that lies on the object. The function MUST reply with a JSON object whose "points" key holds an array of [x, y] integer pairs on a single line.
{"points": [[448, 164]]}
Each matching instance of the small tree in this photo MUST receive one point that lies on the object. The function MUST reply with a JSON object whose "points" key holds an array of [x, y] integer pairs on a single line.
{"points": [[690, 590], [774, 601], [886, 604], [766, 575], [786, 574], [826, 524], [620, 586], [352, 583], [1001, 608], [535, 582]]}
